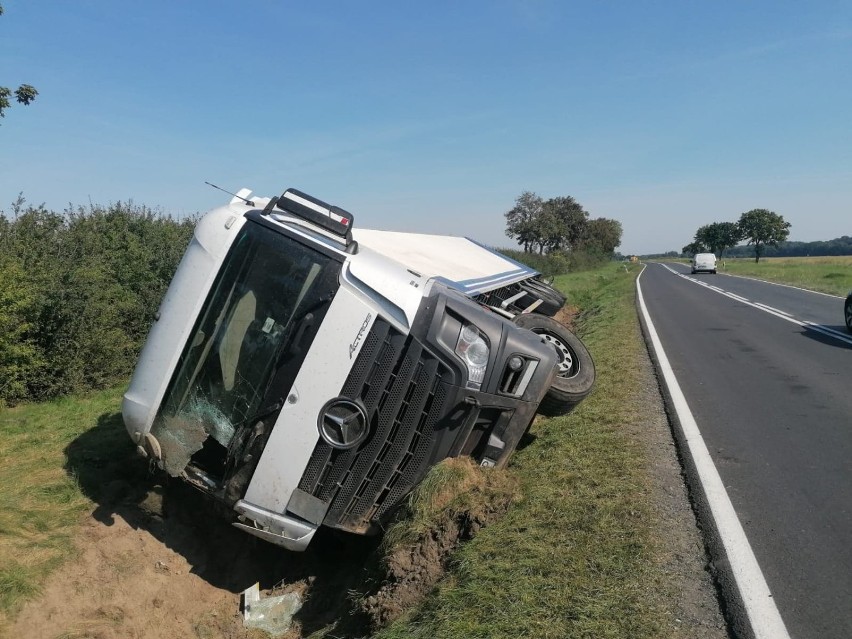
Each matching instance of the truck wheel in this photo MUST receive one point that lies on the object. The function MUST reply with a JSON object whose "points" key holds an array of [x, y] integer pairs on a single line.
{"points": [[549, 291], [575, 374], [550, 303]]}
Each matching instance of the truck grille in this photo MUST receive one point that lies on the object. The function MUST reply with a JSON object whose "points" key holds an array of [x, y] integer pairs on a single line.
{"points": [[402, 386]]}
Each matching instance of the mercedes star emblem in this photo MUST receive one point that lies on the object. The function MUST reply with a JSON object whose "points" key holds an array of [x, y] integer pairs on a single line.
{"points": [[343, 423]]}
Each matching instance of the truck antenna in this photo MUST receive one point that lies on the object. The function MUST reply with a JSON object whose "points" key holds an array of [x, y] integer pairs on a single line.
{"points": [[246, 200]]}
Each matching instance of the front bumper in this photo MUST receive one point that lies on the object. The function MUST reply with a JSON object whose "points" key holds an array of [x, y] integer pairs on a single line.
{"points": [[289, 532]]}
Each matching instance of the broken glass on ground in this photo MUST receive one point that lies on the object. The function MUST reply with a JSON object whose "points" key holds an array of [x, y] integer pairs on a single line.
{"points": [[273, 615]]}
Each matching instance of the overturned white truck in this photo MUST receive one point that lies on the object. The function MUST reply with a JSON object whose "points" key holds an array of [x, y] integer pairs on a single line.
{"points": [[305, 373]]}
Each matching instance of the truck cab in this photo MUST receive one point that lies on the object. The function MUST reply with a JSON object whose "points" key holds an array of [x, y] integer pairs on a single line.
{"points": [[302, 377]]}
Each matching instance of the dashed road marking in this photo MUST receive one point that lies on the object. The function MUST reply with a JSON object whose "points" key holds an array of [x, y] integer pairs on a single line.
{"points": [[813, 326], [772, 308]]}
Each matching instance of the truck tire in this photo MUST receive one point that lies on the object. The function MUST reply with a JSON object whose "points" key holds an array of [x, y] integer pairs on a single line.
{"points": [[575, 375], [549, 291], [551, 299]]}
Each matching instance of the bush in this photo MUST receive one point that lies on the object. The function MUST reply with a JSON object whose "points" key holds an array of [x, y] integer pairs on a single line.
{"points": [[78, 291], [18, 356], [559, 262]]}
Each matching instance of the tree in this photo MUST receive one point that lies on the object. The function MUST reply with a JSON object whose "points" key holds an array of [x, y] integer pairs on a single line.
{"points": [[523, 222], [564, 221], [693, 247], [559, 224], [24, 94], [763, 228], [719, 236], [602, 235], [729, 235]]}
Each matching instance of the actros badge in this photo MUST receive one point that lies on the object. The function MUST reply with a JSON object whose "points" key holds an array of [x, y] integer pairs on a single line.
{"points": [[354, 345]]}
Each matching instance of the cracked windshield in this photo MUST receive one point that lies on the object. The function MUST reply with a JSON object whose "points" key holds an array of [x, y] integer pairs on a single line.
{"points": [[260, 309]]}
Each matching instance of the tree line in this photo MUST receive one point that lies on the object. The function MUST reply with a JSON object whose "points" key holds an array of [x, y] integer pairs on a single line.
{"points": [[78, 291], [837, 246], [560, 225], [760, 228]]}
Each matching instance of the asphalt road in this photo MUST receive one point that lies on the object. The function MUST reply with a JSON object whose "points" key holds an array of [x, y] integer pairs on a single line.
{"points": [[767, 373]]}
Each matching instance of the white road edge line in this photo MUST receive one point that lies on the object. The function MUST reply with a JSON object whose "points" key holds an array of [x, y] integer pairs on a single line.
{"points": [[763, 615]]}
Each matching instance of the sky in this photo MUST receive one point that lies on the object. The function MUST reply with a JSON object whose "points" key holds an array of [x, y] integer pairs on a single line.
{"points": [[433, 117]]}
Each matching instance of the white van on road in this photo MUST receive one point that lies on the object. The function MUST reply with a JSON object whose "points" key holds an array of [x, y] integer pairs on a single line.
{"points": [[704, 262]]}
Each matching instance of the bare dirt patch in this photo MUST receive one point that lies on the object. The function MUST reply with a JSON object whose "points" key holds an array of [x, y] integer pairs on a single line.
{"points": [[566, 316], [155, 558], [168, 567]]}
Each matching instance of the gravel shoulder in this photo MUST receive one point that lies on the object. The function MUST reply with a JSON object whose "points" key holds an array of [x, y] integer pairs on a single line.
{"points": [[693, 604]]}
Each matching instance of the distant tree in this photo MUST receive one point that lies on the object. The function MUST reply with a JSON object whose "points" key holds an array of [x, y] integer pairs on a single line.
{"points": [[24, 94], [557, 224], [729, 234], [762, 228], [602, 235], [523, 221], [564, 222], [692, 248], [560, 225], [719, 236]]}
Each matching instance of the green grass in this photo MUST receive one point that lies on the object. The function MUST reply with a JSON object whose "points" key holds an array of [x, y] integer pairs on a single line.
{"points": [[48, 463], [826, 274], [576, 555]]}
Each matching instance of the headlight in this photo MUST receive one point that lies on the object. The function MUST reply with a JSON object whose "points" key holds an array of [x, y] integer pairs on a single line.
{"points": [[473, 349]]}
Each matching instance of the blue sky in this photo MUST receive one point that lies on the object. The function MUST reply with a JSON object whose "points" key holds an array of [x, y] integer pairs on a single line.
{"points": [[434, 117]]}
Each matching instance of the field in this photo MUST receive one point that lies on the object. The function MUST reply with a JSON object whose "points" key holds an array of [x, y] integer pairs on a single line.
{"points": [[598, 539], [831, 275]]}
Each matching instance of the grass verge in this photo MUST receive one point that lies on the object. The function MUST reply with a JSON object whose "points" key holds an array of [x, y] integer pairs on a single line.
{"points": [[41, 503], [831, 275], [575, 556]]}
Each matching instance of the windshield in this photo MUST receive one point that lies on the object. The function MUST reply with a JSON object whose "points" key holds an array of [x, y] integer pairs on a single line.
{"points": [[262, 312]]}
